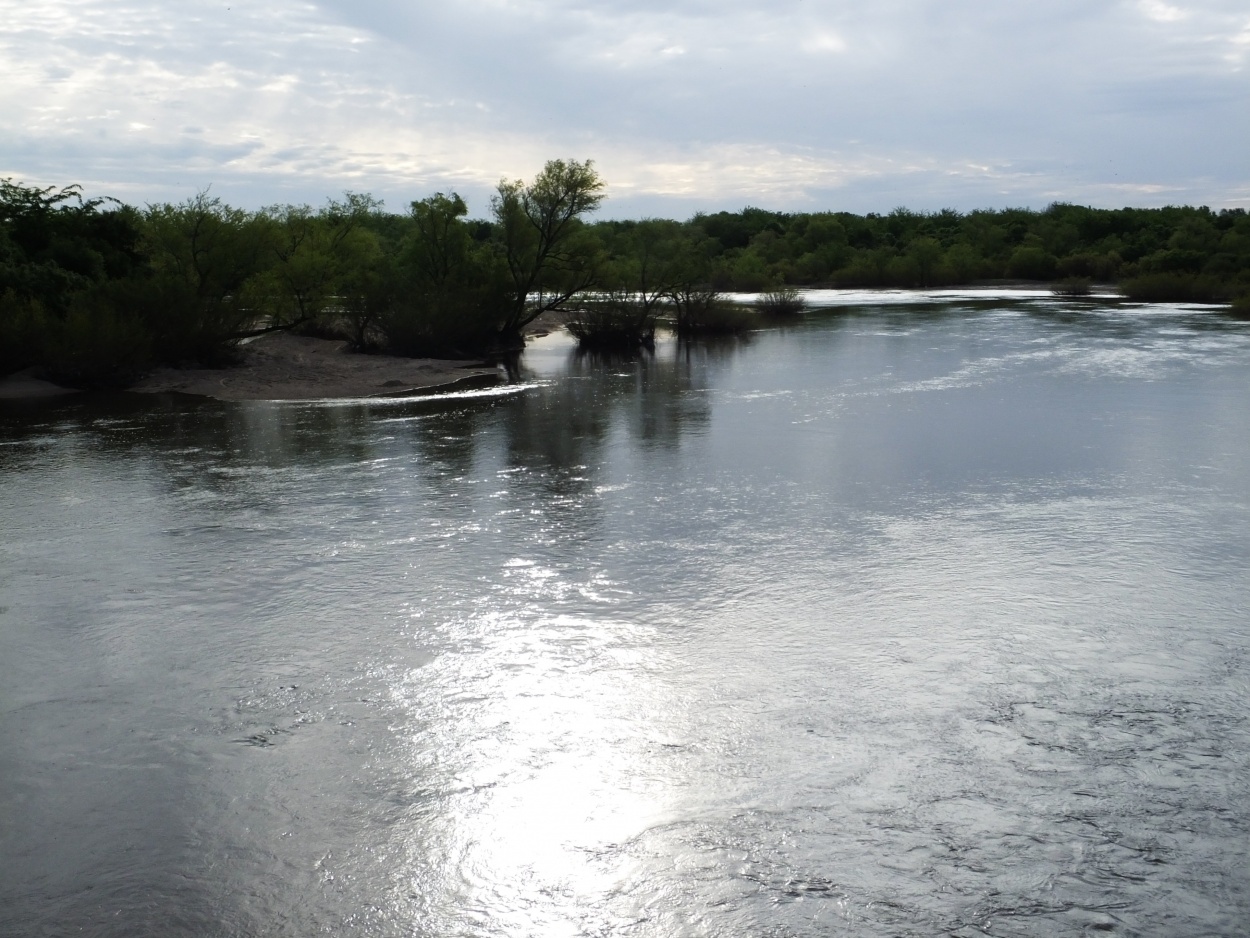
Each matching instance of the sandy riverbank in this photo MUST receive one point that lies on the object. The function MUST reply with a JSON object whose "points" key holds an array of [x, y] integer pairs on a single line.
{"points": [[285, 367], [292, 368]]}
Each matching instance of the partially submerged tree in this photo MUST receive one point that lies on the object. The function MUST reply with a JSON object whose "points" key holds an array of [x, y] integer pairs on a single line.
{"points": [[549, 254], [637, 282]]}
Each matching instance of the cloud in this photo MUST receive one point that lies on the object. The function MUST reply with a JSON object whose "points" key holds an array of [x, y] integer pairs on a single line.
{"points": [[824, 42], [1162, 12], [688, 103]]}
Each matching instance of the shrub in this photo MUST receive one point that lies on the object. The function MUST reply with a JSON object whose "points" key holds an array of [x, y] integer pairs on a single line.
{"points": [[781, 303], [1073, 286], [962, 264], [706, 312], [1090, 264], [614, 320], [184, 328], [96, 345], [23, 325], [1171, 288]]}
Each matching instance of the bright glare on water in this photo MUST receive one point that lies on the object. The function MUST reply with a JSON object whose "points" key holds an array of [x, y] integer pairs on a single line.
{"points": [[925, 616]]}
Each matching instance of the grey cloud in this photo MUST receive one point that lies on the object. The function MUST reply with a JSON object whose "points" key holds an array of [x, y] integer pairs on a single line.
{"points": [[823, 104]]}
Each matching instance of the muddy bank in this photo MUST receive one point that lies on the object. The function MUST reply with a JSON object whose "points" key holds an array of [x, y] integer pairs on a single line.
{"points": [[24, 386], [288, 367]]}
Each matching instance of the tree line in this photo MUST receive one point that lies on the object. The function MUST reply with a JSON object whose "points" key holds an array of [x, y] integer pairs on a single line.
{"points": [[94, 292]]}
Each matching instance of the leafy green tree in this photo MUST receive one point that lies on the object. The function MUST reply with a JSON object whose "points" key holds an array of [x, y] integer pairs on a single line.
{"points": [[926, 254], [59, 255], [54, 242], [1032, 262], [307, 257], [450, 287], [549, 254], [963, 263], [202, 252]]}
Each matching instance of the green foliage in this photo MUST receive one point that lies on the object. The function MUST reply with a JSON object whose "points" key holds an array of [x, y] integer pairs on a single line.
{"points": [[93, 291], [925, 254], [23, 330], [615, 319], [1172, 288], [704, 311], [747, 272], [549, 254], [59, 256], [449, 291], [306, 257], [1090, 265], [1030, 262], [54, 243], [96, 345], [194, 301], [963, 264]]}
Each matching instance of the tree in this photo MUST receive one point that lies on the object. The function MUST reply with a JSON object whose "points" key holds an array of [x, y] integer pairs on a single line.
{"points": [[309, 256], [927, 254], [202, 253], [449, 291], [550, 256], [61, 256]]}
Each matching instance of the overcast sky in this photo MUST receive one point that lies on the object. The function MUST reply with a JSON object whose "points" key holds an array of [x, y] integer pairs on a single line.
{"points": [[684, 105]]}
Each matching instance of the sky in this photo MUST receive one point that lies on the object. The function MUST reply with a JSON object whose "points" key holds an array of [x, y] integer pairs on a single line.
{"points": [[685, 106]]}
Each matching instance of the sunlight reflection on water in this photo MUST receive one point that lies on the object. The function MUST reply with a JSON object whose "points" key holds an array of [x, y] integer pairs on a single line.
{"points": [[880, 624]]}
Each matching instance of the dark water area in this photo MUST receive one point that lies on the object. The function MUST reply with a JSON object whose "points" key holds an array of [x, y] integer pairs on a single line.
{"points": [[908, 619]]}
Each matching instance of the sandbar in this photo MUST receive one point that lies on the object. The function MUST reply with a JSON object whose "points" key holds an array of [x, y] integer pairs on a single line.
{"points": [[283, 367]]}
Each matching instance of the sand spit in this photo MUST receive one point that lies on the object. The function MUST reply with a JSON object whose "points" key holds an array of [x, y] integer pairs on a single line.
{"points": [[283, 367], [24, 385]]}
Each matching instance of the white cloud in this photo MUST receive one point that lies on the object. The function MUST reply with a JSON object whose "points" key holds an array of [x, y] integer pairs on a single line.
{"points": [[681, 103], [1162, 12], [824, 42]]}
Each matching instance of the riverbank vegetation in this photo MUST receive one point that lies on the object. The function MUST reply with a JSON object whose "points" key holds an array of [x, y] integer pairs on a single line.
{"points": [[94, 292]]}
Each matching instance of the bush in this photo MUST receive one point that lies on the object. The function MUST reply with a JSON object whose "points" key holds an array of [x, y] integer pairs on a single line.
{"points": [[96, 345], [706, 312], [614, 320], [1171, 288], [1073, 286], [23, 327], [781, 303], [1090, 264], [184, 328]]}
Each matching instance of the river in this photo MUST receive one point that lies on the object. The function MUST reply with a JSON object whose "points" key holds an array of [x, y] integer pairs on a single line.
{"points": [[923, 615]]}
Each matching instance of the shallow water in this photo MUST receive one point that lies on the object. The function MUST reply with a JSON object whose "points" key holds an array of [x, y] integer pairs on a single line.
{"points": [[923, 616]]}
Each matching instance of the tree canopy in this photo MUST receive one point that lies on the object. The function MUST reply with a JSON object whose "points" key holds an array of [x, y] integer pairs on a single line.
{"points": [[93, 291]]}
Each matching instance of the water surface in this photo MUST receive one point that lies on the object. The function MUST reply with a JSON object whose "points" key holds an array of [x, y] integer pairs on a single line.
{"points": [[913, 618]]}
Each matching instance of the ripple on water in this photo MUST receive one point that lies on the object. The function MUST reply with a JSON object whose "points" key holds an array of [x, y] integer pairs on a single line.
{"points": [[631, 649]]}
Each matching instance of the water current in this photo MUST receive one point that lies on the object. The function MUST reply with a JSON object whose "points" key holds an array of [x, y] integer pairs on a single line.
{"points": [[921, 616]]}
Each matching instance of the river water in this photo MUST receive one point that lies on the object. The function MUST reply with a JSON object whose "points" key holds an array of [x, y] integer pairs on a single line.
{"points": [[922, 616]]}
